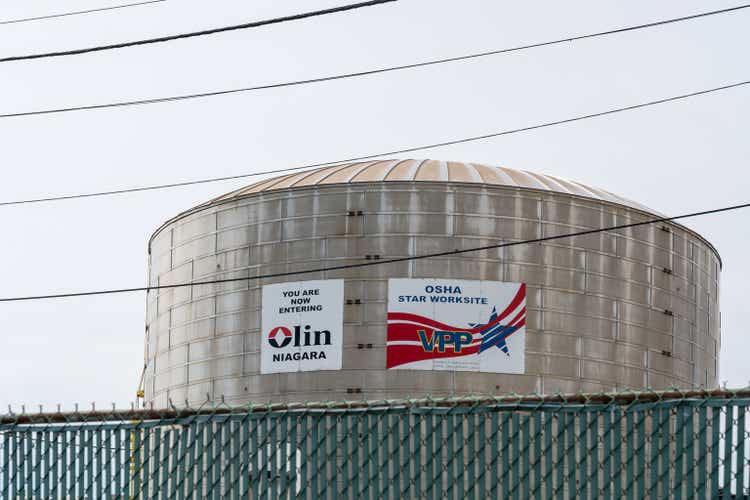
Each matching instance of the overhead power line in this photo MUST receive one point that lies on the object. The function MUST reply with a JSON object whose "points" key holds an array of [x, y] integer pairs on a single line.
{"points": [[379, 262], [432, 62], [382, 153], [80, 12], [212, 31]]}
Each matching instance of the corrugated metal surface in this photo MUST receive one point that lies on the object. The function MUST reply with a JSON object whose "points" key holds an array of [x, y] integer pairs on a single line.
{"points": [[637, 308], [427, 170]]}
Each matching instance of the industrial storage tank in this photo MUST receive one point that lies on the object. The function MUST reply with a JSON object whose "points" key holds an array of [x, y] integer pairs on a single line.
{"points": [[634, 308]]}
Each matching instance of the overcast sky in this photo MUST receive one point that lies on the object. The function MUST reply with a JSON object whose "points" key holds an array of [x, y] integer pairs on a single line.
{"points": [[675, 158]]}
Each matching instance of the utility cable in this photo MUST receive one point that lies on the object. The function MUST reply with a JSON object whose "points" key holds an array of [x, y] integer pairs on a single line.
{"points": [[382, 153], [379, 262], [79, 12], [156, 100], [212, 31]]}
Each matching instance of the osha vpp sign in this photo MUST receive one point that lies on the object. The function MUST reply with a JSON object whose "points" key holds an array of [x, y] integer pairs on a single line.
{"points": [[302, 326], [457, 325]]}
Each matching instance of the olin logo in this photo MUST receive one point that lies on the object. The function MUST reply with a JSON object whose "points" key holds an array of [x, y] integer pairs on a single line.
{"points": [[441, 340], [281, 336]]}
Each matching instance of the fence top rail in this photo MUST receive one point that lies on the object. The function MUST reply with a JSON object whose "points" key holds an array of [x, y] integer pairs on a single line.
{"points": [[525, 402]]}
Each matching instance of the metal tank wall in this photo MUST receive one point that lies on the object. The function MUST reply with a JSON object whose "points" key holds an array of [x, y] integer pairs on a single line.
{"points": [[636, 309]]}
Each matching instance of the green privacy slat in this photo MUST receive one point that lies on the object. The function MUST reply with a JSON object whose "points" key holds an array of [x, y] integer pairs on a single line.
{"points": [[347, 460], [284, 449], [583, 451], [127, 461], [140, 461], [481, 456], [222, 461], [15, 464], [471, 472], [702, 463], [261, 463], [155, 473], [109, 450], [396, 446], [357, 455], [273, 460], [5, 488], [560, 456], [47, 477], [437, 454], [209, 460], [665, 429], [525, 456], [536, 484], [617, 452], [494, 453], [653, 437], [690, 436], [459, 460], [728, 445], [448, 472], [333, 458], [247, 462], [679, 458], [232, 489], [197, 491], [429, 461], [117, 465], [183, 462], [384, 457], [570, 448], [595, 421], [642, 450], [177, 491], [300, 435], [25, 483], [740, 451], [506, 442], [166, 459], [607, 454], [36, 465], [629, 455], [516, 457], [548, 454], [412, 455]]}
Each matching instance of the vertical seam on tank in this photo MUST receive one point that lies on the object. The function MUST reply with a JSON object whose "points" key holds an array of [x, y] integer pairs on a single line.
{"points": [[617, 320], [412, 252], [452, 220], [171, 248]]}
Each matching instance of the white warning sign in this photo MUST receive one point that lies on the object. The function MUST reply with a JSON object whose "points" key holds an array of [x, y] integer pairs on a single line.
{"points": [[302, 326]]}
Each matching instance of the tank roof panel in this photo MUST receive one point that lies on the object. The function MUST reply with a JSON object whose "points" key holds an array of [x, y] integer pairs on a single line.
{"points": [[427, 171]]}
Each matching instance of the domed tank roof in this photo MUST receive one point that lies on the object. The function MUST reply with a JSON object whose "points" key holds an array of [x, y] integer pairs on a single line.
{"points": [[427, 170]]}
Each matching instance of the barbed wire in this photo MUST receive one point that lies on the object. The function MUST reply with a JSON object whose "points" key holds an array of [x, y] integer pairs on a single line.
{"points": [[209, 408]]}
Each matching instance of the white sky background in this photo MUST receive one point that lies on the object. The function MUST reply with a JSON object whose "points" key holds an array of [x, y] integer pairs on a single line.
{"points": [[675, 158]]}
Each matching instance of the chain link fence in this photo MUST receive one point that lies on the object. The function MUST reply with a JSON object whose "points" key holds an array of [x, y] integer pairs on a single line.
{"points": [[624, 445]]}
